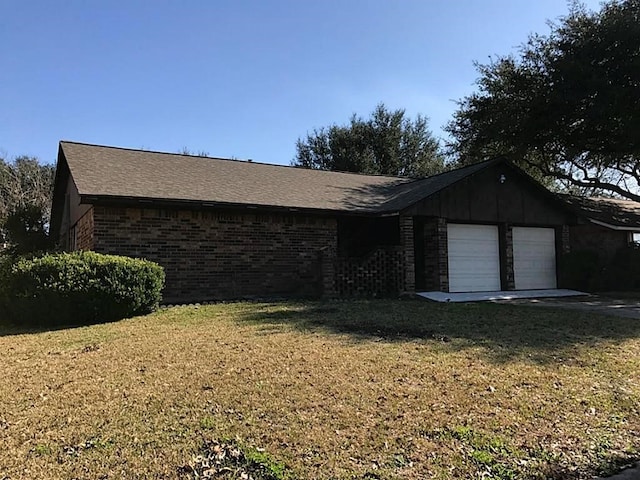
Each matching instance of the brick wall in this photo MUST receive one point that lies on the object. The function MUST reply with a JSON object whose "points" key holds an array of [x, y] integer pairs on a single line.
{"points": [[219, 255], [507, 274], [379, 274], [407, 243], [565, 239], [327, 258], [436, 266], [84, 231], [604, 241]]}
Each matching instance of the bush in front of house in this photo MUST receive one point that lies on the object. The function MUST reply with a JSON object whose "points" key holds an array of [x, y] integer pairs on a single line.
{"points": [[580, 270], [79, 288]]}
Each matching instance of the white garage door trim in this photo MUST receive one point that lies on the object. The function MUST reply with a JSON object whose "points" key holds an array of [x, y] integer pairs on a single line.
{"points": [[534, 258], [473, 257]]}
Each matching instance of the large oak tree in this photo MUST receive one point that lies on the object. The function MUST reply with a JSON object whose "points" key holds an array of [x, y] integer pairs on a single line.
{"points": [[567, 107], [388, 143]]}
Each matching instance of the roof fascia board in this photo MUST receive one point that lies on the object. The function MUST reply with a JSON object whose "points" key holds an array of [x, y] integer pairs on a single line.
{"points": [[614, 227], [141, 202]]}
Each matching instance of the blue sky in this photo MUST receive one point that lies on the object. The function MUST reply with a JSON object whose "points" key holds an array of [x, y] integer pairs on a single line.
{"points": [[239, 78]]}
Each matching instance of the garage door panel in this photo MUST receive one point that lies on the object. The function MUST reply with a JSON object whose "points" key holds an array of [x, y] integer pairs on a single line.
{"points": [[474, 258], [534, 258]]}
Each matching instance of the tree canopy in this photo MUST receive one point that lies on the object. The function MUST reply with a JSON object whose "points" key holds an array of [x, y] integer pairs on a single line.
{"points": [[25, 201], [567, 107], [387, 143]]}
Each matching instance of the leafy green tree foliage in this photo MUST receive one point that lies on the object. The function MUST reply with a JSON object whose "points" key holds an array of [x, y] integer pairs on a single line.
{"points": [[387, 143], [26, 230], [26, 188], [567, 107]]}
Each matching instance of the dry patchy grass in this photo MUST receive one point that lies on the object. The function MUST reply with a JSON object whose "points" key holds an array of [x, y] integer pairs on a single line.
{"points": [[381, 389]]}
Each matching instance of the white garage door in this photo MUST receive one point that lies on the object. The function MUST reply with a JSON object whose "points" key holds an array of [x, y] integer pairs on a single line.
{"points": [[474, 258], [534, 258]]}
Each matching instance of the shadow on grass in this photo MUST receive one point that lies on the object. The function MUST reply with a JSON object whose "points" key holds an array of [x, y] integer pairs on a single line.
{"points": [[505, 331], [9, 329], [604, 468]]}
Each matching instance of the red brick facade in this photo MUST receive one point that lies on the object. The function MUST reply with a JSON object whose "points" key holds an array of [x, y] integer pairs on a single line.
{"points": [[380, 274], [507, 275], [408, 250], [565, 239], [604, 241], [219, 255], [84, 231], [210, 255], [436, 266]]}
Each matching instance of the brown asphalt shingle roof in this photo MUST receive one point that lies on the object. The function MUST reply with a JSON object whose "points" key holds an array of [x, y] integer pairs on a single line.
{"points": [[613, 211], [110, 172]]}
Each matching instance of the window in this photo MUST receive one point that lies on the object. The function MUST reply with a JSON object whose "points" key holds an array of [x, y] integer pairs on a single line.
{"points": [[358, 237], [72, 240]]}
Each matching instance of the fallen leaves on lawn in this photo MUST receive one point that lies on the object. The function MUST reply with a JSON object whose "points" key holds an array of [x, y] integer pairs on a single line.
{"points": [[228, 460]]}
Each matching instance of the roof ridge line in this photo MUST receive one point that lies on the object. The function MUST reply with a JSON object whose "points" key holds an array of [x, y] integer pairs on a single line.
{"points": [[245, 161]]}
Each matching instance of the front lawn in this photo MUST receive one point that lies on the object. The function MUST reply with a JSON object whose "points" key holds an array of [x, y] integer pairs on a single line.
{"points": [[345, 390]]}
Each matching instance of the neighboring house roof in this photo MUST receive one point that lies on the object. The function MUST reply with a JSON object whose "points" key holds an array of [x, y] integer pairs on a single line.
{"points": [[102, 172], [613, 213]]}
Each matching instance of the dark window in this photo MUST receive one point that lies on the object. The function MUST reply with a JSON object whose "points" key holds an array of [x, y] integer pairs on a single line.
{"points": [[358, 237], [72, 239]]}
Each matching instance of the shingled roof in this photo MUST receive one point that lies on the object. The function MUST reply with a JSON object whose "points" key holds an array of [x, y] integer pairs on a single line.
{"points": [[613, 212], [111, 173]]}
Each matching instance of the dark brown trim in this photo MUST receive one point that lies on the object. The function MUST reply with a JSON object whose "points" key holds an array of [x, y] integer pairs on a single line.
{"points": [[144, 202], [59, 191]]}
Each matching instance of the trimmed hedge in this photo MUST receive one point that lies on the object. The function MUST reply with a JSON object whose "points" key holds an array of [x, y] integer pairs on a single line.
{"points": [[78, 288]]}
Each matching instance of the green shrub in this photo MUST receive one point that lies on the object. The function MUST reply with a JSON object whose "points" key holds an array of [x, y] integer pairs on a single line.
{"points": [[79, 288], [580, 270]]}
